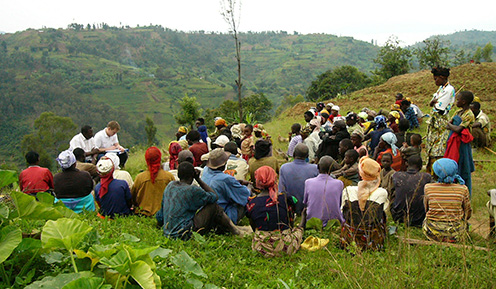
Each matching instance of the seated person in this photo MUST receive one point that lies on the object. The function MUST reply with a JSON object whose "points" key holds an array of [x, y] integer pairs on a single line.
{"points": [[364, 209], [247, 142], [413, 149], [447, 204], [118, 173], [85, 141], [348, 173], [393, 119], [261, 158], [409, 114], [186, 208], [107, 140], [236, 166], [174, 149], [232, 195], [35, 179], [322, 197], [295, 138], [380, 128], [387, 144], [357, 138], [84, 166], [113, 196], [72, 186], [271, 216], [353, 124], [330, 140], [491, 207], [196, 147], [181, 133], [407, 206], [403, 136], [387, 174], [481, 128], [149, 186], [186, 156]]}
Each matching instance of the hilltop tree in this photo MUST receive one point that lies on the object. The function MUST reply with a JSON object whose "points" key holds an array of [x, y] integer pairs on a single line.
{"points": [[434, 53], [341, 80], [478, 55], [394, 59], [190, 111], [487, 52], [151, 131], [230, 11]]}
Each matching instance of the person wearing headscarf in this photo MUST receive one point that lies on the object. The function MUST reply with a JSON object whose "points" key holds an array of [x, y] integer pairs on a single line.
{"points": [[237, 134], [393, 121], [352, 123], [202, 129], [113, 196], [174, 149], [364, 209], [72, 186], [149, 185], [120, 174], [262, 158], [387, 144], [375, 135], [447, 204], [271, 216], [181, 133], [441, 103]]}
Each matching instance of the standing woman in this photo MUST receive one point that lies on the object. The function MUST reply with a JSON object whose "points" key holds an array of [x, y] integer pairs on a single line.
{"points": [[441, 103]]}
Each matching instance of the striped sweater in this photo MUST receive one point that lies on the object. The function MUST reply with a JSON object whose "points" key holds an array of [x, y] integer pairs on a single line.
{"points": [[447, 202]]}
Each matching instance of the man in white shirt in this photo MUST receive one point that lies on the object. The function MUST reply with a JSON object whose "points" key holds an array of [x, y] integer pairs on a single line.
{"points": [[106, 141], [86, 142]]}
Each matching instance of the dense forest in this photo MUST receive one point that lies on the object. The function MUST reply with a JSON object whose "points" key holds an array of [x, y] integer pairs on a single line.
{"points": [[94, 74]]}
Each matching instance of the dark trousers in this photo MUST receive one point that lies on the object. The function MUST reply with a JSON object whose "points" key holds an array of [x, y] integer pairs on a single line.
{"points": [[212, 217]]}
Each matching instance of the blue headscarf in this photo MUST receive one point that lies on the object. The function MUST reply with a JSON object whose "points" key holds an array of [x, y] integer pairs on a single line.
{"points": [[391, 139], [447, 171], [202, 129], [380, 120]]}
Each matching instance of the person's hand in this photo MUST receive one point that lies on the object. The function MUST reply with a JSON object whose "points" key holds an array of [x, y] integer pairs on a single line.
{"points": [[433, 102], [197, 174], [405, 145], [244, 182]]}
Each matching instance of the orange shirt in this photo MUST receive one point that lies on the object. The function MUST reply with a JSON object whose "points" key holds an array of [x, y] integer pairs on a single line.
{"points": [[397, 159]]}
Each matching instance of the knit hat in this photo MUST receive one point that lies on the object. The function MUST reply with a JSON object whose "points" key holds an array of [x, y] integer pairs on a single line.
{"points": [[218, 158], [66, 159]]}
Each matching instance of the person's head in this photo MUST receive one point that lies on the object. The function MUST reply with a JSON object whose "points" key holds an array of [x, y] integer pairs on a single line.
{"points": [[475, 107], [447, 171], [404, 124], [345, 145], [351, 157], [199, 122], [325, 114], [339, 125], [186, 172], [220, 123], [387, 161], [221, 141], [185, 156], [335, 110], [79, 154], [351, 119], [362, 117], [415, 139], [305, 132], [66, 160], [153, 157], [104, 166], [440, 75], [115, 160], [248, 130], [231, 147], [393, 116], [296, 128], [258, 128], [112, 128], [380, 121], [308, 116], [325, 164], [356, 138], [399, 96], [464, 99], [414, 162], [388, 140], [32, 158], [262, 149], [193, 137], [301, 151], [87, 131], [236, 131], [405, 104], [182, 130], [217, 159]]}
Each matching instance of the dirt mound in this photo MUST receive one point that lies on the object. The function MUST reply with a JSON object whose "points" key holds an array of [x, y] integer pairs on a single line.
{"points": [[299, 109]]}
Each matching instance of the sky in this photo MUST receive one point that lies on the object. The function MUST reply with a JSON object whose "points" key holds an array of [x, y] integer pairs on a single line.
{"points": [[409, 21]]}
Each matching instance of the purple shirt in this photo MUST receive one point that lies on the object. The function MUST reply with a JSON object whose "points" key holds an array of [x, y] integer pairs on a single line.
{"points": [[323, 198], [292, 144], [292, 177]]}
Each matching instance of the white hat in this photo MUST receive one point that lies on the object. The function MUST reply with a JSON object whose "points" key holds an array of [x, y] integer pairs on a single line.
{"points": [[221, 140], [335, 107], [104, 165], [115, 159], [330, 104], [66, 159]]}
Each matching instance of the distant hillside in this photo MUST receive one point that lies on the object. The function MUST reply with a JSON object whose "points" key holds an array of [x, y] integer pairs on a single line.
{"points": [[470, 38]]}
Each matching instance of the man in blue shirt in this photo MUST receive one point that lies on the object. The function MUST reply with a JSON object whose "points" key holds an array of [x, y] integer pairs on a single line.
{"points": [[292, 176], [187, 208], [233, 195]]}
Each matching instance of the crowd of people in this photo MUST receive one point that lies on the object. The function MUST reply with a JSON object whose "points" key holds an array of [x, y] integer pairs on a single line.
{"points": [[353, 168]]}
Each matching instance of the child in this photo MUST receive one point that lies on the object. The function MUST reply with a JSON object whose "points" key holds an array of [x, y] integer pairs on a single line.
{"points": [[295, 137], [409, 114], [348, 174], [248, 143], [458, 147], [414, 149], [387, 173], [356, 139]]}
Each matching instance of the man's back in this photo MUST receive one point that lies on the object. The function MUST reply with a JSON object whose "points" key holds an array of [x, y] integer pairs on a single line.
{"points": [[35, 179], [409, 196], [292, 179], [323, 198]]}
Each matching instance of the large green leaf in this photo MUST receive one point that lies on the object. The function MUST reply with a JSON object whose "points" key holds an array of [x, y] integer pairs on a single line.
{"points": [[4, 211], [64, 233], [7, 177], [88, 283], [119, 262], [187, 264], [10, 237], [28, 208], [135, 254], [161, 253], [59, 281], [143, 274]]}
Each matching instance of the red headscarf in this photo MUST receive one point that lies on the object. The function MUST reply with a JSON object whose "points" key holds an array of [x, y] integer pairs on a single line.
{"points": [[105, 168], [266, 179], [153, 158], [174, 149]]}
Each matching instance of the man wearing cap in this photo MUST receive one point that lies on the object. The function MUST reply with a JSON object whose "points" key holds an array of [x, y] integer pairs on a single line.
{"points": [[233, 196], [72, 186], [335, 116]]}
